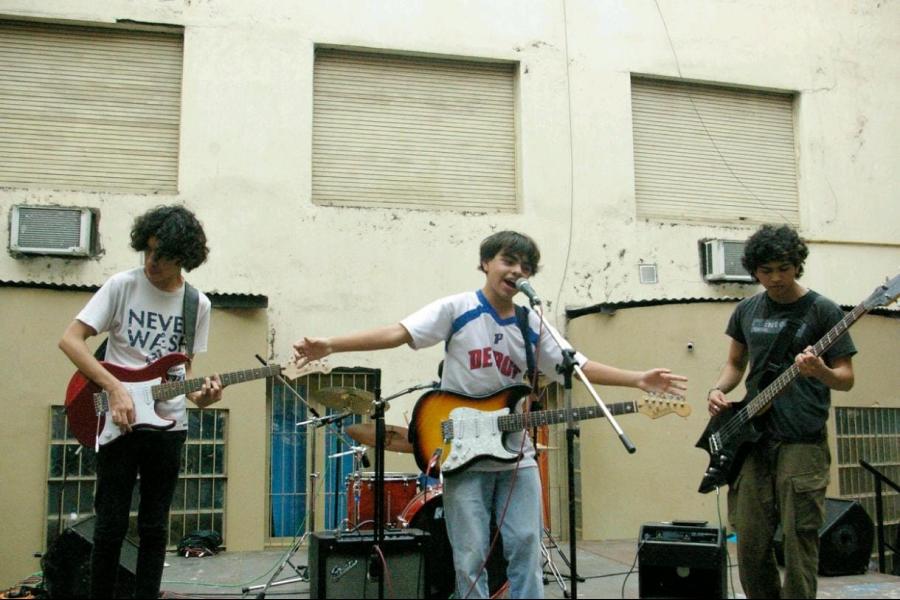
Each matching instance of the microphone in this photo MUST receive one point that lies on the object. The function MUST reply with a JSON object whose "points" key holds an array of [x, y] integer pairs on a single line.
{"points": [[524, 286], [366, 463]]}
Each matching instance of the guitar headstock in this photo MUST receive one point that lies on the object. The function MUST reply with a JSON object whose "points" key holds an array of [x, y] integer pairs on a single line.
{"points": [[292, 371], [884, 294], [656, 405]]}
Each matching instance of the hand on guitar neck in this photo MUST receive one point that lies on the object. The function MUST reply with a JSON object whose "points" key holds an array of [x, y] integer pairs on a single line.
{"points": [[132, 404]]}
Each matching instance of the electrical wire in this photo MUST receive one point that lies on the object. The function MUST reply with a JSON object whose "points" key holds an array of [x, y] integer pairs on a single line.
{"points": [[631, 570], [562, 281], [706, 130], [727, 554]]}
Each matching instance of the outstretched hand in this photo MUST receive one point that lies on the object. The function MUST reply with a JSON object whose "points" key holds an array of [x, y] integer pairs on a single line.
{"points": [[663, 381], [310, 349]]}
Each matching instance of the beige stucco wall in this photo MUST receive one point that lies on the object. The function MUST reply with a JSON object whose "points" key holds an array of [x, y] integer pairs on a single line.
{"points": [[659, 482], [245, 156], [35, 373]]}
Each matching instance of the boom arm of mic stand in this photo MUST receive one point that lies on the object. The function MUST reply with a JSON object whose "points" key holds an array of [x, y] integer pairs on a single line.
{"points": [[587, 384]]}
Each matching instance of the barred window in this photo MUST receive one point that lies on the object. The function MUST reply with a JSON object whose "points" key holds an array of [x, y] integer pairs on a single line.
{"points": [[199, 501], [871, 434]]}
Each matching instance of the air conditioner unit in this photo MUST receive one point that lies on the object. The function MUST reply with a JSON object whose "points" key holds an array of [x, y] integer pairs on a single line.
{"points": [[54, 230], [722, 261]]}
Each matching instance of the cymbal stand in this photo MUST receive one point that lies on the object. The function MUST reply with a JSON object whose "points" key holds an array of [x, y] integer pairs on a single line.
{"points": [[302, 571]]}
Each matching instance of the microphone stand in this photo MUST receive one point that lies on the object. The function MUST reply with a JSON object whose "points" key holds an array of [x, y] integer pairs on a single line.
{"points": [[569, 367], [378, 551]]}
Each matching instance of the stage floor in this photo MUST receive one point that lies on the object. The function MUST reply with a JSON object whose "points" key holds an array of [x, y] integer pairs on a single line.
{"points": [[604, 565]]}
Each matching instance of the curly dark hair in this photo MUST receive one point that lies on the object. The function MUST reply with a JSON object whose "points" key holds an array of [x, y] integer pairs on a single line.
{"points": [[179, 234], [514, 244], [774, 243]]}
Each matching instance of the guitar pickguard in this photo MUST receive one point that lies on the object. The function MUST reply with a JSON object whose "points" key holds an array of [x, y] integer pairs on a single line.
{"points": [[475, 434], [145, 416]]}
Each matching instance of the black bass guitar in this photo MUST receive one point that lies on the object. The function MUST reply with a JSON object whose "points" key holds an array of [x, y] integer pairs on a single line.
{"points": [[729, 435]]}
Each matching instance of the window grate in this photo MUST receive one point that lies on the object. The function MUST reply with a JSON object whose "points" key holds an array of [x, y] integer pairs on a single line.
{"points": [[871, 434], [199, 500]]}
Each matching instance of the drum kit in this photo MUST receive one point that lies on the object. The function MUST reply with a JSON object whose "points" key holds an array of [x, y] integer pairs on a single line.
{"points": [[409, 500]]}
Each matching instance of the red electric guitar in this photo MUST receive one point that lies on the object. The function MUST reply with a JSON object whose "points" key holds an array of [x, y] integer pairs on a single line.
{"points": [[87, 404]]}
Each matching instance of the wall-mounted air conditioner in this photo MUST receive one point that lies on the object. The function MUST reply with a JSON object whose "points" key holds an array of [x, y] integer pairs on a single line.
{"points": [[722, 261], [57, 230]]}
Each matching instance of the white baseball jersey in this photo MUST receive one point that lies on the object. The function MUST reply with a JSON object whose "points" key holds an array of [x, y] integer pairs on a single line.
{"points": [[484, 352]]}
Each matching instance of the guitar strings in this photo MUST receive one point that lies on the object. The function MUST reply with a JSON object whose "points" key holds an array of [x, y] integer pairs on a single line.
{"points": [[743, 415]]}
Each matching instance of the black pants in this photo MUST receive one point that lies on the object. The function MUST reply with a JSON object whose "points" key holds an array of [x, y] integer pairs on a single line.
{"points": [[156, 455]]}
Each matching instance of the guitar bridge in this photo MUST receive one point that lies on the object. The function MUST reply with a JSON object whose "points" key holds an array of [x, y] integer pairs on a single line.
{"points": [[101, 403], [447, 430], [714, 444]]}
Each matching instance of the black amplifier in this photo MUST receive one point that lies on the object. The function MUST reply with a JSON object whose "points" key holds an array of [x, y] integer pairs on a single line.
{"points": [[682, 559], [341, 565], [687, 532]]}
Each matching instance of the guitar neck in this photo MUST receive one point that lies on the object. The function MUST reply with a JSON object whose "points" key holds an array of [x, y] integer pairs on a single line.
{"points": [[165, 391], [764, 398], [520, 421]]}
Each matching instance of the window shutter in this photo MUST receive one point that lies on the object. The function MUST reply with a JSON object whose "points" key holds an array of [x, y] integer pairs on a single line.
{"points": [[708, 153], [89, 108], [399, 131]]}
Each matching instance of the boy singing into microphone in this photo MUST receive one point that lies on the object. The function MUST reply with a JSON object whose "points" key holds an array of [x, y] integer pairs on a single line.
{"points": [[485, 352]]}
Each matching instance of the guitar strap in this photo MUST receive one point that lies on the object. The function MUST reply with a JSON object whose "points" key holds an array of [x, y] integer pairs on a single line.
{"points": [[522, 320], [780, 349], [189, 307]]}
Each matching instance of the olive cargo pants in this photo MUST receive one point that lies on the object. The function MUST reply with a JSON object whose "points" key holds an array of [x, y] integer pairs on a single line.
{"points": [[780, 483]]}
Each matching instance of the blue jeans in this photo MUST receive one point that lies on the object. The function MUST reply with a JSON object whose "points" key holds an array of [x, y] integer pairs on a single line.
{"points": [[156, 455], [469, 499]]}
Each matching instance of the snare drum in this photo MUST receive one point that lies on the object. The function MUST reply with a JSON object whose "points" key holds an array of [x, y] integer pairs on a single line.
{"points": [[399, 490], [426, 512]]}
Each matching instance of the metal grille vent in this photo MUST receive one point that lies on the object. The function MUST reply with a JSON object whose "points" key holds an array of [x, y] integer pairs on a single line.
{"points": [[648, 274], [51, 230]]}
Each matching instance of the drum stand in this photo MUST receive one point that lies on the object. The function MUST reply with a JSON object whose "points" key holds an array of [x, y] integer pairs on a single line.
{"points": [[302, 571], [359, 462]]}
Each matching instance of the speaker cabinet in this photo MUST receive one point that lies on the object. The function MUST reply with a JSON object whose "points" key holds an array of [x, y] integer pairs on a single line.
{"points": [[845, 539], [682, 561], [342, 565], [66, 565]]}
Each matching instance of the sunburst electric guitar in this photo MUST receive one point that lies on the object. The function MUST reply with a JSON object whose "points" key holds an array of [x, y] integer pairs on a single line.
{"points": [[87, 404], [730, 435], [467, 429]]}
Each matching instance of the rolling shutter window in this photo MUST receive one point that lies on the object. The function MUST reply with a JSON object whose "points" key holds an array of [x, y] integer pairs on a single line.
{"points": [[707, 153], [87, 108], [399, 131]]}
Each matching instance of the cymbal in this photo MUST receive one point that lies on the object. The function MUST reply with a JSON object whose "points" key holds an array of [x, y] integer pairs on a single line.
{"points": [[345, 398], [396, 438]]}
